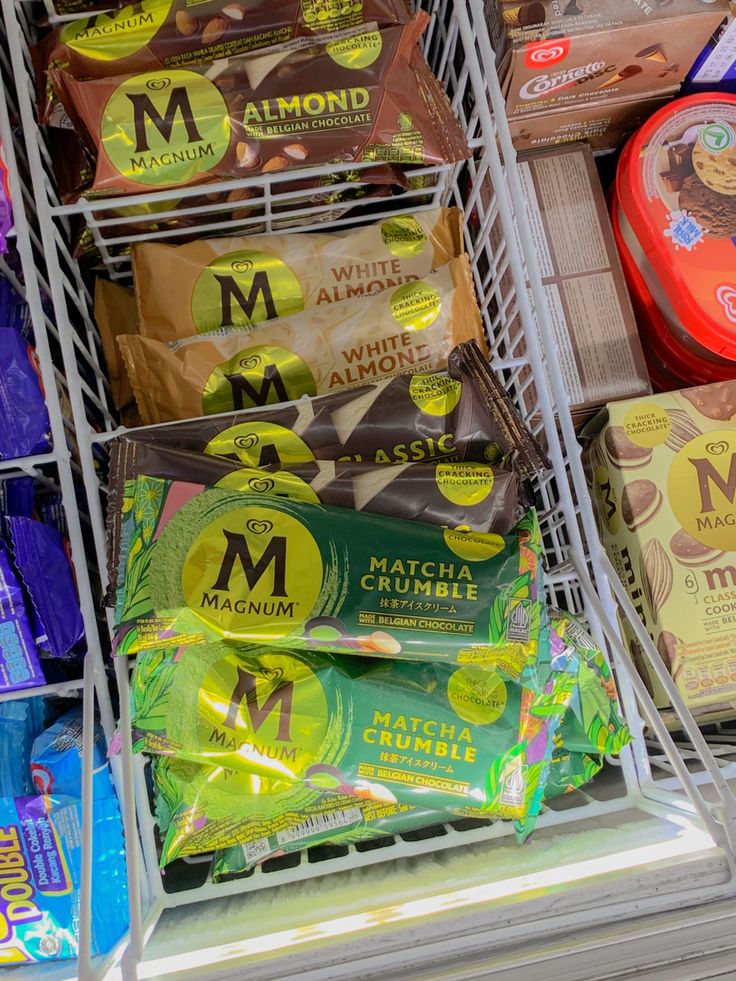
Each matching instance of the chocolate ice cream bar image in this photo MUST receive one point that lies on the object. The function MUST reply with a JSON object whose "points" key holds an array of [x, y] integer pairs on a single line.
{"points": [[654, 52], [524, 15], [628, 72], [680, 157]]}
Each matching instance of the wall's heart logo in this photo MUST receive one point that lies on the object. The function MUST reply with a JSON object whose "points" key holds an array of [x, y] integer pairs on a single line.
{"points": [[726, 296], [546, 53], [246, 442], [262, 485], [717, 449], [259, 527]]}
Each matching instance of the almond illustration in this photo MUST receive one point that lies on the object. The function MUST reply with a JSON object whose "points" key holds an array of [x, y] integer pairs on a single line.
{"points": [[233, 11], [246, 155], [275, 164], [186, 25], [214, 30], [657, 576], [297, 151], [240, 194]]}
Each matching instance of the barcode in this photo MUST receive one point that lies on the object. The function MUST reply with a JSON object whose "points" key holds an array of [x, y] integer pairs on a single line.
{"points": [[255, 851], [319, 824]]}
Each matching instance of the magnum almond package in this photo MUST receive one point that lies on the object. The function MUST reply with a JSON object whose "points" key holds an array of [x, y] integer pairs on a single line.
{"points": [[210, 563], [211, 284], [352, 96], [465, 415], [172, 33], [115, 314], [663, 471], [410, 329]]}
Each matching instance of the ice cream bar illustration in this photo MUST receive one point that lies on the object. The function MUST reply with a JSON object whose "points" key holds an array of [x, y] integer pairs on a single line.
{"points": [[628, 72]]}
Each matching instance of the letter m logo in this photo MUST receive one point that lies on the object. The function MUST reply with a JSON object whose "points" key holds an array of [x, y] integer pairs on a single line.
{"points": [[143, 108], [245, 691], [709, 478], [237, 551]]}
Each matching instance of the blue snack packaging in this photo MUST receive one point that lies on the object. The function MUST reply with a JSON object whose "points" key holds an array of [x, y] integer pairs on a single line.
{"points": [[40, 558], [40, 876], [20, 723], [24, 418], [20, 666], [56, 759], [17, 499]]}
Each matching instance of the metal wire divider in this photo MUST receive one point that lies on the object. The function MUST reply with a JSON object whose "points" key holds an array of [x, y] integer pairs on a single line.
{"points": [[499, 242]]}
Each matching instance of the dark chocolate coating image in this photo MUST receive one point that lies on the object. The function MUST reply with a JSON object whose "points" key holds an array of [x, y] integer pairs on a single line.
{"points": [[715, 212]]}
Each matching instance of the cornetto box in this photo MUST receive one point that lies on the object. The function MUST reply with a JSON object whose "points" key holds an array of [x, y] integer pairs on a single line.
{"points": [[558, 54], [663, 474]]}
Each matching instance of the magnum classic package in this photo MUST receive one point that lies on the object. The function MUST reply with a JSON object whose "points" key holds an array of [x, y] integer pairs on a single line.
{"points": [[353, 96]]}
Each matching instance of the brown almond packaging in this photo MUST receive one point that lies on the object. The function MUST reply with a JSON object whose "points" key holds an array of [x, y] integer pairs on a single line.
{"points": [[115, 314], [159, 34], [474, 495], [411, 328], [209, 284], [266, 112], [465, 415]]}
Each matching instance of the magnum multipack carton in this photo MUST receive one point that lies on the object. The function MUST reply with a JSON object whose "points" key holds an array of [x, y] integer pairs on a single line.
{"points": [[663, 473]]}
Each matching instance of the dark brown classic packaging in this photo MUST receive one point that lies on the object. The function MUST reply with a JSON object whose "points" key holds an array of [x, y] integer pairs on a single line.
{"points": [[463, 416], [158, 34], [266, 112], [472, 495]]}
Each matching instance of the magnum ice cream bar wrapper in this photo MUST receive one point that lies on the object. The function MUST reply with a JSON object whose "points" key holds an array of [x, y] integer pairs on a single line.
{"points": [[474, 495], [158, 34], [411, 328], [208, 563], [211, 284], [115, 314], [465, 415], [357, 95]]}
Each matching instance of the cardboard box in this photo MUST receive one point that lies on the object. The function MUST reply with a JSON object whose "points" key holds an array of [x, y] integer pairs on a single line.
{"points": [[663, 476], [558, 54], [599, 354], [604, 126]]}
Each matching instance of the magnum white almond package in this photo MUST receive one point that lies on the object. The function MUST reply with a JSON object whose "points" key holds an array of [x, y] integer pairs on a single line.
{"points": [[412, 328], [213, 284]]}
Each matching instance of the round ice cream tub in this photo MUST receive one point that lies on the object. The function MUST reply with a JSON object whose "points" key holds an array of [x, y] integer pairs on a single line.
{"points": [[674, 359], [676, 199]]}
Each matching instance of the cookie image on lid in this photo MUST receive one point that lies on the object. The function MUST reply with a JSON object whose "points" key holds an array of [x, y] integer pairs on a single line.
{"points": [[716, 170], [716, 401], [640, 502], [691, 553], [714, 212], [623, 453]]}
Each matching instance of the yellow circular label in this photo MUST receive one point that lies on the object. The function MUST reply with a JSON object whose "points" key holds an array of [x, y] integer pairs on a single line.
{"points": [[701, 486], [254, 579], [120, 34], [435, 395], [259, 375], [607, 499], [280, 484], [244, 288], [464, 483], [271, 721], [165, 127], [478, 695], [473, 546], [403, 236], [357, 51], [260, 444], [647, 424], [415, 306]]}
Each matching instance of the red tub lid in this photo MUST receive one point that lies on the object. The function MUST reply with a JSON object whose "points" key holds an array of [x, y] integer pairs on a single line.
{"points": [[676, 185]]}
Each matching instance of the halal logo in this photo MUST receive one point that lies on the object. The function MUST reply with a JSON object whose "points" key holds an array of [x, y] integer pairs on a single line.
{"points": [[717, 137]]}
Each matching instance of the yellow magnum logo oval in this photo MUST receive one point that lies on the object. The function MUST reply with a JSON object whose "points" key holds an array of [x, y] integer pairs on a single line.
{"points": [[253, 579], [244, 288], [117, 35], [259, 375], [166, 127]]}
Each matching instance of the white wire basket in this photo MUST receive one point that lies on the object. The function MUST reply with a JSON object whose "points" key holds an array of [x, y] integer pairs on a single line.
{"points": [[651, 777]]}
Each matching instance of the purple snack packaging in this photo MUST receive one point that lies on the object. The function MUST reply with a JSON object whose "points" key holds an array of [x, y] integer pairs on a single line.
{"points": [[40, 558], [24, 418], [50, 510], [14, 311], [17, 499], [20, 666]]}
